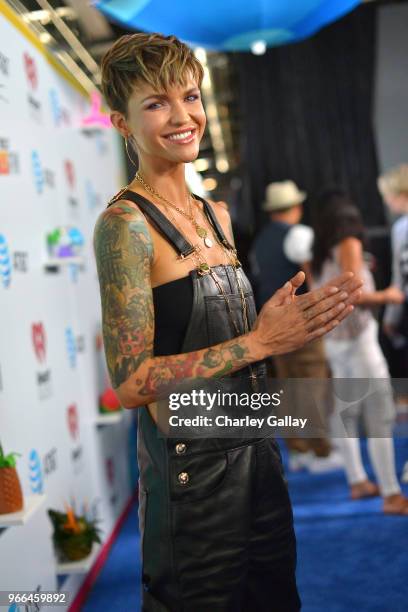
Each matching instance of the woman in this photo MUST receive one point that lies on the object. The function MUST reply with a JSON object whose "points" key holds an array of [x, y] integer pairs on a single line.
{"points": [[353, 351], [215, 516]]}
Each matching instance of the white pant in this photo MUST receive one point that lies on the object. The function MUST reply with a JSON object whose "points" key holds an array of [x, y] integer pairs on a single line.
{"points": [[371, 397]]}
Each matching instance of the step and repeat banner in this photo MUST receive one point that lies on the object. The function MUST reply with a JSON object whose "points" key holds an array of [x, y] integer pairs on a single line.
{"points": [[55, 179]]}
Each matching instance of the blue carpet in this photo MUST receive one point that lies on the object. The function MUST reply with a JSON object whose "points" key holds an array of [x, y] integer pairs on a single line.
{"points": [[117, 588], [351, 558]]}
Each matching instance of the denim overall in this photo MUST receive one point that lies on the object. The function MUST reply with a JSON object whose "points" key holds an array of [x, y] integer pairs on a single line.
{"points": [[215, 517]]}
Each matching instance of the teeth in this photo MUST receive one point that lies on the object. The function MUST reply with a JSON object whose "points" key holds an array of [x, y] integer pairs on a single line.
{"points": [[180, 136]]}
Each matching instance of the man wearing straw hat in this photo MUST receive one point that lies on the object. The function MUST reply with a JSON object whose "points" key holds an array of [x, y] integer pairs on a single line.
{"points": [[281, 249]]}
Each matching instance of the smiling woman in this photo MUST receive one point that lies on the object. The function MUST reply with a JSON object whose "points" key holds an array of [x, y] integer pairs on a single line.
{"points": [[178, 308]]}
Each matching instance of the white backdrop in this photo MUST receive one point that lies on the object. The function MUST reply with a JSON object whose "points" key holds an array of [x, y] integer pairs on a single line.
{"points": [[52, 173]]}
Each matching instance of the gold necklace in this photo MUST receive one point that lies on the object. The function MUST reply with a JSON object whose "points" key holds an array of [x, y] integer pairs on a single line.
{"points": [[201, 231]]}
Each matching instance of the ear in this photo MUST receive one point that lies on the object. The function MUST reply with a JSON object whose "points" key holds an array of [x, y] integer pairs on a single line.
{"points": [[120, 123]]}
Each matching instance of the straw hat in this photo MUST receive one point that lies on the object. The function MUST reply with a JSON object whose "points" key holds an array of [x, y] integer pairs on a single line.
{"points": [[282, 195]]}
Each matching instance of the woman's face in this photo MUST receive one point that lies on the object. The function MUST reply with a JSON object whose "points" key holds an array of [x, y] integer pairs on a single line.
{"points": [[168, 125]]}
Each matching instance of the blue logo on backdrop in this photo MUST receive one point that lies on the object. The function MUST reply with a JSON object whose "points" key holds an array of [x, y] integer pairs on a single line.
{"points": [[38, 173], [36, 476], [55, 106], [71, 346], [5, 262]]}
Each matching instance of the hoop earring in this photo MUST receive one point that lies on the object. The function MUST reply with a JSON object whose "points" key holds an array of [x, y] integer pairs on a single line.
{"points": [[128, 154]]}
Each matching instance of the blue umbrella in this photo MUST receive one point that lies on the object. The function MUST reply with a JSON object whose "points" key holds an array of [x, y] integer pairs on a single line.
{"points": [[228, 25]]}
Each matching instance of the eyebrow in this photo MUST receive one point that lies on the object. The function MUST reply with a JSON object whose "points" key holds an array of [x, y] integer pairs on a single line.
{"points": [[164, 96]]}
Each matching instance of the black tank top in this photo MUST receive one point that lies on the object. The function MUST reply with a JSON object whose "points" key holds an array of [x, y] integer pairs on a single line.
{"points": [[172, 303]]}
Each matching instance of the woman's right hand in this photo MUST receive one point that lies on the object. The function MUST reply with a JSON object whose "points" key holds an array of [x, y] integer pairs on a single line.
{"points": [[286, 327], [392, 295]]}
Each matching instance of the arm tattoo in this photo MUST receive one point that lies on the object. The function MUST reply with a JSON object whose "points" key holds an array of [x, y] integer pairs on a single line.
{"points": [[123, 251], [215, 362]]}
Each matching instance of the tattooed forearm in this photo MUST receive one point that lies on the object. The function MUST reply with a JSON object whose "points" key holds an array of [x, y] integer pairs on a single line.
{"points": [[160, 375]]}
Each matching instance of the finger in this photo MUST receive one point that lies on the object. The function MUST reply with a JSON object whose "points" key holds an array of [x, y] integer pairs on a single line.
{"points": [[345, 313], [325, 317], [321, 331], [298, 280], [338, 281], [307, 300], [279, 296], [354, 297], [325, 305], [352, 284]]}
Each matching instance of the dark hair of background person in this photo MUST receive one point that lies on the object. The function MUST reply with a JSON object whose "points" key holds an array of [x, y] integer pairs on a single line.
{"points": [[336, 218]]}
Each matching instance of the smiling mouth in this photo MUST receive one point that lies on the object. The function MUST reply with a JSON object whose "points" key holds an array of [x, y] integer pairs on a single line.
{"points": [[182, 137]]}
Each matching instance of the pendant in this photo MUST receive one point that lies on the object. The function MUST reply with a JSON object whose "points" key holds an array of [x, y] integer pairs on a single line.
{"points": [[208, 242], [201, 231], [203, 269]]}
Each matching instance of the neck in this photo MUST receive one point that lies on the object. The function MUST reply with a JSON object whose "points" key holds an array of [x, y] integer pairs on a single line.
{"points": [[167, 179]]}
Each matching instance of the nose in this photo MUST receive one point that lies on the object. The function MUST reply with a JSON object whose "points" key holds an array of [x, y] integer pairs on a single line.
{"points": [[179, 114]]}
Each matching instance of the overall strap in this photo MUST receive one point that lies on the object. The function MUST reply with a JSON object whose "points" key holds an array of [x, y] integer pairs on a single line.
{"points": [[159, 220], [214, 222]]}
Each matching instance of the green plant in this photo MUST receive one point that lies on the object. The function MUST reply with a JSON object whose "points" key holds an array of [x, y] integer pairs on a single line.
{"points": [[8, 460], [73, 535]]}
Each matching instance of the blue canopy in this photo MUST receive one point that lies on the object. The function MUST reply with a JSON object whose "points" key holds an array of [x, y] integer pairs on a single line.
{"points": [[228, 25]]}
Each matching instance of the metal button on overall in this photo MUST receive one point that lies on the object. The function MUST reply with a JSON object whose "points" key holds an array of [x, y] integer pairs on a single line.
{"points": [[183, 478], [181, 448]]}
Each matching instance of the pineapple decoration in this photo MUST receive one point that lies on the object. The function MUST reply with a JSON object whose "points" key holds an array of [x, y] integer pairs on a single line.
{"points": [[11, 496], [73, 535]]}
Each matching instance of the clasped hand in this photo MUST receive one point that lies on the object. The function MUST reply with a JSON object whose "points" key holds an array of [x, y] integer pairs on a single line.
{"points": [[288, 321]]}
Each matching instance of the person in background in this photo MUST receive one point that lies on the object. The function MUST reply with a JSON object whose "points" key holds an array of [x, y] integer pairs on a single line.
{"points": [[393, 186], [353, 351], [284, 246]]}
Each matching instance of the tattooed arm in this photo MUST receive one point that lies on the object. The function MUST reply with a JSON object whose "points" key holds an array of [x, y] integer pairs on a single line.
{"points": [[124, 255]]}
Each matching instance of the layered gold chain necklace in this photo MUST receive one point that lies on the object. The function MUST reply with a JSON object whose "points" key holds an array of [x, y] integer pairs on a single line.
{"points": [[201, 231]]}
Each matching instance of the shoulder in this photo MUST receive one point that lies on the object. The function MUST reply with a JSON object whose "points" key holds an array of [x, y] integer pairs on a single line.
{"points": [[122, 222], [220, 208], [351, 244]]}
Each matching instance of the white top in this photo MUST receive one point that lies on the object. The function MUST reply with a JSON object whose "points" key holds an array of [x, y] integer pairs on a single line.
{"points": [[357, 321], [298, 244], [399, 240]]}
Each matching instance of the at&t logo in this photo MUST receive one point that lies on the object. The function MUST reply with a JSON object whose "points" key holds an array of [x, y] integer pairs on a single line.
{"points": [[5, 262], [36, 475], [38, 172], [71, 347], [60, 115]]}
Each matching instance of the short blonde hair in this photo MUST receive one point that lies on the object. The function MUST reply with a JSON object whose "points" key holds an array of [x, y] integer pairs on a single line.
{"points": [[394, 181], [153, 59]]}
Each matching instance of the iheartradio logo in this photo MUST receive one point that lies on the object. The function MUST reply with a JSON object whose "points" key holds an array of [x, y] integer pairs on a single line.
{"points": [[69, 173], [73, 421], [31, 70], [39, 341]]}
